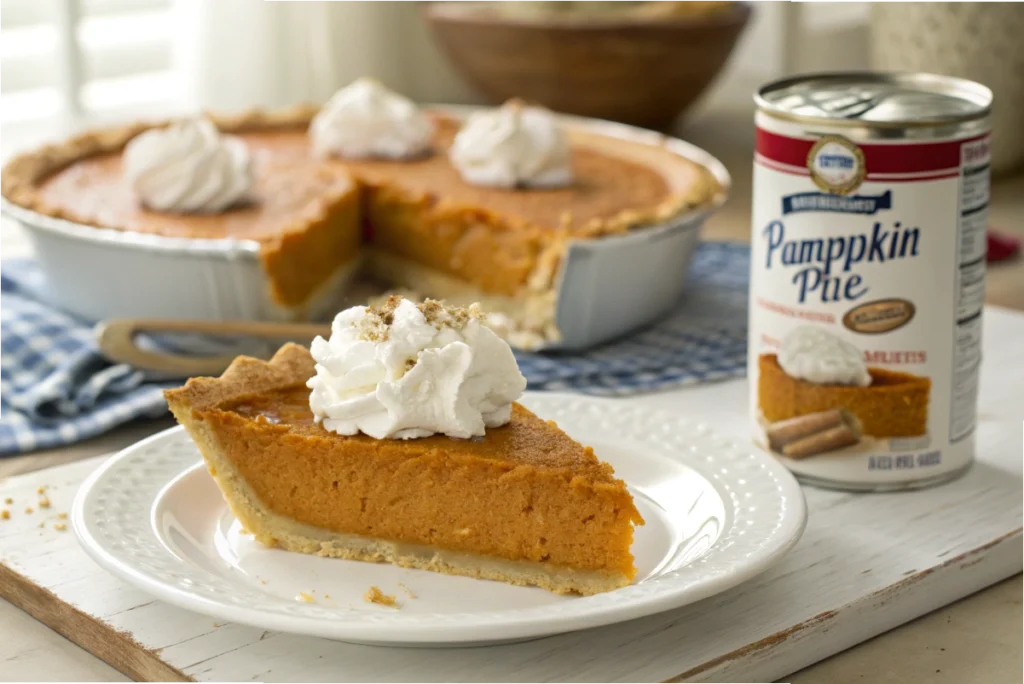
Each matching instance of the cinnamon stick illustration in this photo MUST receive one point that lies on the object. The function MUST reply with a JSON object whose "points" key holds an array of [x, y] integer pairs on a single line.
{"points": [[814, 433]]}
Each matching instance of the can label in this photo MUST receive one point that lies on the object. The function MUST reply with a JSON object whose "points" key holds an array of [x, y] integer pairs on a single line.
{"points": [[867, 286]]}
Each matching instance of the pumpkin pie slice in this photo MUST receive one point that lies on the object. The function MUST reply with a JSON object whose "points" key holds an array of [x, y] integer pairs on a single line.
{"points": [[525, 504], [894, 404]]}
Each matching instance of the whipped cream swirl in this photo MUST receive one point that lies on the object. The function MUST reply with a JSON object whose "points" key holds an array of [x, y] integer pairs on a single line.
{"points": [[402, 371], [513, 146], [188, 168], [818, 356], [366, 120]]}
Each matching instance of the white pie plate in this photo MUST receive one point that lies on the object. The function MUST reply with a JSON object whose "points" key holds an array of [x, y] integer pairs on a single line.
{"points": [[718, 512]]}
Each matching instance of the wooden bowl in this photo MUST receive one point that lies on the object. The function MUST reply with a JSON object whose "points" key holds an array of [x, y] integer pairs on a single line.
{"points": [[644, 72]]}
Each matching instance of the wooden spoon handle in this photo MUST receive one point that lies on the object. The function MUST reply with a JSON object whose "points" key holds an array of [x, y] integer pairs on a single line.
{"points": [[116, 340]]}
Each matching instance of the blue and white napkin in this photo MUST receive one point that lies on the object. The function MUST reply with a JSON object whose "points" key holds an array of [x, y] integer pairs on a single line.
{"points": [[56, 389]]}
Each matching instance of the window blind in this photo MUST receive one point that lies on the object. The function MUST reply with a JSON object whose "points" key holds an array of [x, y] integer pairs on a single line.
{"points": [[65, 64]]}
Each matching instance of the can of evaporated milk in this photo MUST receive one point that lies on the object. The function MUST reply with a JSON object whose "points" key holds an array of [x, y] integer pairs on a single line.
{"points": [[868, 276]]}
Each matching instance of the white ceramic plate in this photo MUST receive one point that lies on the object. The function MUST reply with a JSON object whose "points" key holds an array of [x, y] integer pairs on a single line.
{"points": [[717, 514]]}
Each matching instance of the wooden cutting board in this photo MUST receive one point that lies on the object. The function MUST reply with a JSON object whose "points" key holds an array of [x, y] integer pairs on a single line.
{"points": [[867, 563]]}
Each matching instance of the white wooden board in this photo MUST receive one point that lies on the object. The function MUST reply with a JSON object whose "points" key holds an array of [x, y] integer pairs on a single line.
{"points": [[867, 563]]}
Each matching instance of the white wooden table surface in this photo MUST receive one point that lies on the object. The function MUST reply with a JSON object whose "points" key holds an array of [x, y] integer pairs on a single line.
{"points": [[976, 639], [865, 564]]}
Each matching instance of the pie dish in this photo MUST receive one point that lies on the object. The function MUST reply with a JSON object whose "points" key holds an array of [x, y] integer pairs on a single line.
{"points": [[894, 404], [524, 504], [415, 224]]}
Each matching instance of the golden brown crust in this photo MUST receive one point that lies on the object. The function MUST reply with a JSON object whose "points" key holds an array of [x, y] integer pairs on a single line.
{"points": [[21, 176], [292, 365]]}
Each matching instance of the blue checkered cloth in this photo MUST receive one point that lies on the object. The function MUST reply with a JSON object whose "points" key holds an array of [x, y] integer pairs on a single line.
{"points": [[56, 389]]}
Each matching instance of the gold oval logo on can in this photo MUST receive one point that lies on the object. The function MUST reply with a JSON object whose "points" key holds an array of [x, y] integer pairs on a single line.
{"points": [[881, 316], [836, 165]]}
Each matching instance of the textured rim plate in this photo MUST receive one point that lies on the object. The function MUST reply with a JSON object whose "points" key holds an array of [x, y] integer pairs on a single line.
{"points": [[717, 512]]}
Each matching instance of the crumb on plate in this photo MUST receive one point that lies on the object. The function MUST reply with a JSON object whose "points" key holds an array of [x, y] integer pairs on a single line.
{"points": [[44, 502], [5, 514], [60, 527], [375, 595], [305, 597], [28, 509], [407, 590], [62, 516]]}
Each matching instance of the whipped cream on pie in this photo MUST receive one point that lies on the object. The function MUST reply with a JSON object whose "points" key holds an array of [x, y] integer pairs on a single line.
{"points": [[403, 371], [818, 356], [513, 146], [365, 120], [188, 168]]}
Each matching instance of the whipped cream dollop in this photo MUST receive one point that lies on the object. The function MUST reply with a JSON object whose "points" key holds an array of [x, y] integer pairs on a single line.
{"points": [[818, 356], [188, 168], [513, 146], [365, 120], [402, 371]]}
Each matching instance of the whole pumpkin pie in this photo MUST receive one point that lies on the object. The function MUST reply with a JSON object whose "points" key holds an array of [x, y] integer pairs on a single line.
{"points": [[415, 221], [521, 503], [894, 404]]}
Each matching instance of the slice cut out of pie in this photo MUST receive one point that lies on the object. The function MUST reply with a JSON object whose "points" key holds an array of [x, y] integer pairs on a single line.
{"points": [[525, 504]]}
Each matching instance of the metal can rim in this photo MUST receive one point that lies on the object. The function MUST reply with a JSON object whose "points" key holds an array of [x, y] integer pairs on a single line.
{"points": [[983, 95]]}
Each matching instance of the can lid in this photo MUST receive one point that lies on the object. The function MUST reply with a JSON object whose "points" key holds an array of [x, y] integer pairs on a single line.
{"points": [[895, 99]]}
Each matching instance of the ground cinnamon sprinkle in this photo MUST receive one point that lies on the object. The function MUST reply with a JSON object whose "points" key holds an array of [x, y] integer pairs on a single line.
{"points": [[375, 595], [376, 325]]}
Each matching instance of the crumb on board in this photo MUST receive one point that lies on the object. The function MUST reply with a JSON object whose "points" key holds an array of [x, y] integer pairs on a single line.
{"points": [[60, 527], [62, 516], [375, 595], [5, 514], [44, 502], [28, 509], [305, 597], [407, 590]]}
